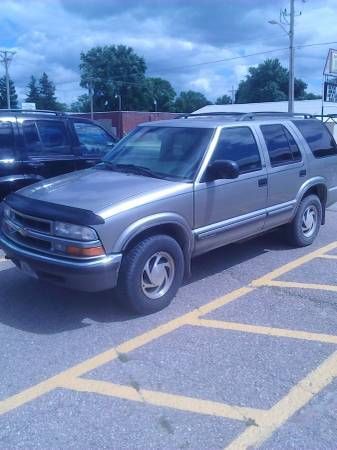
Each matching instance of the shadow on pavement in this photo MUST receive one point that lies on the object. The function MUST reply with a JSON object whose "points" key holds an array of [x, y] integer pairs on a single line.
{"points": [[42, 308]]}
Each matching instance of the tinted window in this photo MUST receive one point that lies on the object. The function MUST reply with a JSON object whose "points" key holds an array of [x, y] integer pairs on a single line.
{"points": [[318, 137], [31, 136], [281, 145], [94, 140], [53, 137], [6, 140], [238, 144]]}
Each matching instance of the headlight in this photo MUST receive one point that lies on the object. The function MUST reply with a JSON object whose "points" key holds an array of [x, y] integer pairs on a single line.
{"points": [[75, 232]]}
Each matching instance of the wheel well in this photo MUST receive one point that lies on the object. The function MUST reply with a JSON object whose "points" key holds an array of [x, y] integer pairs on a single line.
{"points": [[321, 191], [172, 230]]}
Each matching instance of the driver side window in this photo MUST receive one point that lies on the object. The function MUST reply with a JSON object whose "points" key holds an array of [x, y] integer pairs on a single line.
{"points": [[238, 144]]}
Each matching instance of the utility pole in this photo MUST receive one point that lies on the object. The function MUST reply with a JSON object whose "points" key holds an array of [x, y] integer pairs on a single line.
{"points": [[6, 58], [288, 26], [232, 92], [291, 58]]}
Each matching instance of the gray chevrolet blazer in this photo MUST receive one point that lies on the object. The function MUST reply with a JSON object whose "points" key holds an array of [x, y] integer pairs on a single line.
{"points": [[167, 192]]}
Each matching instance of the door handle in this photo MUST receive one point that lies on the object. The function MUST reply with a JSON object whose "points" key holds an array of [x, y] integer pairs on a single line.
{"points": [[263, 182], [303, 173]]}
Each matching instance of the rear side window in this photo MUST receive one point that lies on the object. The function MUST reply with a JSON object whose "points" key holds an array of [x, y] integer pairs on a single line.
{"points": [[281, 145], [6, 140], [46, 137], [238, 144], [318, 137]]}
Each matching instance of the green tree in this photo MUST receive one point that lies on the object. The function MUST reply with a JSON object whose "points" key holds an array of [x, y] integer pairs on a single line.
{"points": [[33, 94], [47, 94], [3, 93], [189, 101], [223, 100], [161, 91], [82, 104], [268, 82], [114, 70]]}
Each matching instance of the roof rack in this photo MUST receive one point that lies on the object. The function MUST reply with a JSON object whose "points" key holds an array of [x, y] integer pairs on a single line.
{"points": [[33, 111], [210, 114], [239, 116], [253, 115]]}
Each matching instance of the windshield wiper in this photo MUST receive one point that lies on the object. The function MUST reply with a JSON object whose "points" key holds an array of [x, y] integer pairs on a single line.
{"points": [[132, 168]]}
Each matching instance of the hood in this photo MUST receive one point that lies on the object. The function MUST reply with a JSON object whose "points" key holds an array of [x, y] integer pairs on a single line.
{"points": [[102, 191]]}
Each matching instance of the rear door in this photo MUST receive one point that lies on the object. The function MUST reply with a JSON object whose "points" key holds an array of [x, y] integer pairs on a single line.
{"points": [[287, 171], [91, 141], [48, 150]]}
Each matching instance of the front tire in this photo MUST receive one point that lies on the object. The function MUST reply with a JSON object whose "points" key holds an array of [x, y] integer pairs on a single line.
{"points": [[302, 231], [151, 274]]}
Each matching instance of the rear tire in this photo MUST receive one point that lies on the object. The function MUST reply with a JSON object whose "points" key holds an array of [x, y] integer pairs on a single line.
{"points": [[302, 231], [151, 274]]}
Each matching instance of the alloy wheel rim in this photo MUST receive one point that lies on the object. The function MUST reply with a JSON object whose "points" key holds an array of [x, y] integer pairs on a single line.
{"points": [[157, 275], [309, 221]]}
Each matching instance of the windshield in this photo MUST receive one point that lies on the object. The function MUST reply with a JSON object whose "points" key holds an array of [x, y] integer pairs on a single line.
{"points": [[168, 152]]}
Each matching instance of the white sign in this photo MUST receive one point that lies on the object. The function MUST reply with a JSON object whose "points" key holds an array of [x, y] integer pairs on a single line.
{"points": [[333, 62], [28, 105]]}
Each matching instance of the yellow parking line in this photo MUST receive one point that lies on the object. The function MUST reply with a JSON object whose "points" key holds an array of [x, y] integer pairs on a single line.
{"points": [[269, 331], [103, 358], [163, 399], [292, 265], [296, 399], [293, 284], [328, 256]]}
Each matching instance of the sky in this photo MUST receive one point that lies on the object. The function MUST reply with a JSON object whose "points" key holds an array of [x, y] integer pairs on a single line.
{"points": [[176, 38]]}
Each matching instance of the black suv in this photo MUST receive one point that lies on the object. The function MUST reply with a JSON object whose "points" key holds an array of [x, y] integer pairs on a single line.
{"points": [[35, 145]]}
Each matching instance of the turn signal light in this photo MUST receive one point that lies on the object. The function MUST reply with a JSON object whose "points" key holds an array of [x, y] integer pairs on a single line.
{"points": [[84, 252]]}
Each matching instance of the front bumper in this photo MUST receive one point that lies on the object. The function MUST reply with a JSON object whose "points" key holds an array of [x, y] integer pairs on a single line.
{"points": [[90, 275]]}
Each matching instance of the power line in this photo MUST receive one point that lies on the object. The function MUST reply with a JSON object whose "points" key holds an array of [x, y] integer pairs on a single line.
{"points": [[248, 55]]}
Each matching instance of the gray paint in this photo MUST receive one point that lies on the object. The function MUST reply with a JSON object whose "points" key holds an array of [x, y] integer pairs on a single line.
{"points": [[207, 214]]}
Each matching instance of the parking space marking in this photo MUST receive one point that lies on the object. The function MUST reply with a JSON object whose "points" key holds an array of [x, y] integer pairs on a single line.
{"points": [[263, 422], [80, 369], [328, 256], [297, 398], [295, 285], [269, 331], [163, 399], [263, 281]]}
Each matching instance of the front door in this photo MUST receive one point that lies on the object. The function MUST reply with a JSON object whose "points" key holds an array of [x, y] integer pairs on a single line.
{"points": [[228, 210], [48, 151]]}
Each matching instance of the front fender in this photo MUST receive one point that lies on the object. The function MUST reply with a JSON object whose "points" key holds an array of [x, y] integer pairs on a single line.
{"points": [[152, 221]]}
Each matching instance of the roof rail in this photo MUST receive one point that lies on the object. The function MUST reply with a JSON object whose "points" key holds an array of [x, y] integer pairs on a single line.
{"points": [[33, 111], [253, 115], [210, 114]]}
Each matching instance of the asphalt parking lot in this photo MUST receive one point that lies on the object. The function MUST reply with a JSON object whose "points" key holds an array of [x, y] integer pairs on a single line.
{"points": [[245, 357]]}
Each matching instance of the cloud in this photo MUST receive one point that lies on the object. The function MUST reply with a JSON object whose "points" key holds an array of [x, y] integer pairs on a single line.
{"points": [[49, 35]]}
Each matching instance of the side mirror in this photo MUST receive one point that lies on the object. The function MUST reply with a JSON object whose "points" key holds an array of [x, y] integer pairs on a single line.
{"points": [[222, 169]]}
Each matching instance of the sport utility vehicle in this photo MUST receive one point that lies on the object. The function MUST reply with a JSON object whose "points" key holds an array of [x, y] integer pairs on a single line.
{"points": [[169, 191], [35, 145]]}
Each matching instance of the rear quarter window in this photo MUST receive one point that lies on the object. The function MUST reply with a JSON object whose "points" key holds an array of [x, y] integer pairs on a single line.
{"points": [[318, 137]]}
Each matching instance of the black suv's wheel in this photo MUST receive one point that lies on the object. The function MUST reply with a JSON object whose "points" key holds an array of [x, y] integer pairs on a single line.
{"points": [[304, 228], [151, 273]]}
